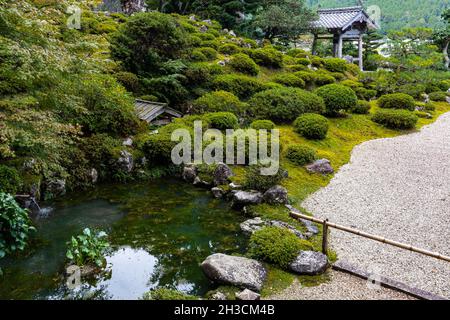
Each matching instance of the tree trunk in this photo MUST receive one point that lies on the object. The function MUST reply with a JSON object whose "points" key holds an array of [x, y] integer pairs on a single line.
{"points": [[445, 52], [132, 6]]}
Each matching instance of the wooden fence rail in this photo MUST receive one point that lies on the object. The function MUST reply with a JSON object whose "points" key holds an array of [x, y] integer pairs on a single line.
{"points": [[326, 224]]}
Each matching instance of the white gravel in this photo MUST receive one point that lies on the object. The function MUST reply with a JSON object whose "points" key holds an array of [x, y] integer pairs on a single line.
{"points": [[398, 188]]}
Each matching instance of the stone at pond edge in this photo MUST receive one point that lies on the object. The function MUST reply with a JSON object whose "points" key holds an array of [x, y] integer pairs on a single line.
{"points": [[252, 225], [56, 187], [309, 263], [237, 271], [248, 295], [322, 166], [242, 198], [189, 173], [276, 195], [217, 192], [125, 162], [218, 296], [311, 227], [221, 174]]}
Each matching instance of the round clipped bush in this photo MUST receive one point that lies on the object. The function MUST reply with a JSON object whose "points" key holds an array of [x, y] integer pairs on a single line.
{"points": [[211, 44], [395, 119], [351, 83], [129, 80], [413, 89], [365, 94], [289, 80], [335, 64], [276, 245], [209, 53], [300, 154], [198, 56], [444, 85], [337, 97], [397, 101], [362, 107], [311, 126], [243, 63], [241, 85], [262, 124], [218, 101], [307, 76], [303, 61], [254, 180], [438, 96], [267, 57], [321, 79], [284, 104], [222, 120], [10, 181], [229, 48]]}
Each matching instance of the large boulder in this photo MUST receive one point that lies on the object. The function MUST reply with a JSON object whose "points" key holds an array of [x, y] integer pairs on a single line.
{"points": [[251, 225], [322, 166], [221, 174], [242, 198], [125, 161], [56, 187], [217, 192], [276, 195], [309, 263], [236, 271]]}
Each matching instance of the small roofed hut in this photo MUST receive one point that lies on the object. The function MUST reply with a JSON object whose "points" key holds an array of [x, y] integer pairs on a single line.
{"points": [[343, 24], [156, 113]]}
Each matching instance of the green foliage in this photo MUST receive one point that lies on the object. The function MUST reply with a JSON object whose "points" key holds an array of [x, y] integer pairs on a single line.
{"points": [[351, 84], [311, 126], [365, 94], [335, 64], [10, 181], [254, 180], [276, 245], [337, 97], [415, 90], [209, 53], [229, 48], [321, 79], [362, 107], [438, 96], [262, 124], [243, 63], [217, 101], [395, 119], [129, 80], [167, 294], [268, 57], [198, 56], [307, 76], [397, 101], [15, 226], [284, 104], [88, 248], [240, 85], [300, 154], [289, 80], [158, 147], [222, 120], [303, 61]]}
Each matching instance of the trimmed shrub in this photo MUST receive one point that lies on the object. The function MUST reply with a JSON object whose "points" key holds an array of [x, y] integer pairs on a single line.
{"points": [[432, 87], [365, 94], [243, 63], [211, 44], [267, 57], [337, 97], [198, 56], [276, 245], [307, 76], [262, 124], [254, 180], [296, 67], [335, 65], [438, 96], [311, 126], [284, 104], [300, 154], [229, 48], [395, 119], [209, 53], [289, 80], [414, 90], [205, 36], [218, 101], [444, 85], [10, 181], [129, 80], [317, 61], [158, 147], [323, 79], [241, 85], [303, 61], [167, 294], [362, 107], [397, 101], [149, 97], [222, 120], [351, 83]]}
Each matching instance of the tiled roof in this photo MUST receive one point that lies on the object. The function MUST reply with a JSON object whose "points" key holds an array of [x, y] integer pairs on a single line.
{"points": [[148, 110], [342, 18]]}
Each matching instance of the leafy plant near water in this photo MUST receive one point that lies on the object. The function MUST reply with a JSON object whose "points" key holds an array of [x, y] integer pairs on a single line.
{"points": [[167, 294], [15, 226], [89, 247]]}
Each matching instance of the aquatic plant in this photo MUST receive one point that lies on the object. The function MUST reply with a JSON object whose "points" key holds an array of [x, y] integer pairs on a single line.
{"points": [[87, 248]]}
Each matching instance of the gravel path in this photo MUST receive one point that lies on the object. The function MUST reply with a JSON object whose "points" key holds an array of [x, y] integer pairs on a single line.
{"points": [[341, 287], [398, 188]]}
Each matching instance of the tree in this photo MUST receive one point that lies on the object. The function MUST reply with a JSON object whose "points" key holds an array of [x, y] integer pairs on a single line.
{"points": [[441, 37], [371, 43], [283, 19]]}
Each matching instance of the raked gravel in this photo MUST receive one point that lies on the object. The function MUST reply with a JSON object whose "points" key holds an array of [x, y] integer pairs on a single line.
{"points": [[398, 188]]}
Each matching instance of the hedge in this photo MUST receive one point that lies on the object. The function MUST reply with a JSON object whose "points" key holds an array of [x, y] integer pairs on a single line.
{"points": [[395, 119], [311, 126]]}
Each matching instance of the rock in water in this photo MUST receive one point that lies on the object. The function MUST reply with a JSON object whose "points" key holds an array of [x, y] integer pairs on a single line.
{"points": [[248, 295], [217, 192], [57, 187], [322, 166], [221, 174], [242, 198], [309, 263], [125, 162], [189, 173], [276, 195], [237, 271]]}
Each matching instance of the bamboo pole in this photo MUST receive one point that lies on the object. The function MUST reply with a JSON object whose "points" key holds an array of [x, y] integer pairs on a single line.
{"points": [[372, 237]]}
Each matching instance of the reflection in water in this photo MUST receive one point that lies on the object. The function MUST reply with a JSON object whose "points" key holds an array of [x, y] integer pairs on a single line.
{"points": [[160, 233]]}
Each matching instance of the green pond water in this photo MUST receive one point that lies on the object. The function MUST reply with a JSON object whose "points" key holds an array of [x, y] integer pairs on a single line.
{"points": [[160, 232]]}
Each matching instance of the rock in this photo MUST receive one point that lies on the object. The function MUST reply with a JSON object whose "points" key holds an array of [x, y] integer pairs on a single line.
{"points": [[276, 195], [237, 271], [125, 162], [189, 173], [322, 166], [348, 58], [57, 187], [311, 227], [248, 295], [221, 174], [203, 28], [200, 183], [128, 142], [207, 21], [309, 263], [217, 192], [251, 225], [242, 198], [426, 98], [234, 186], [284, 225], [218, 296], [93, 174], [29, 165], [192, 18], [221, 63], [448, 99], [232, 33]]}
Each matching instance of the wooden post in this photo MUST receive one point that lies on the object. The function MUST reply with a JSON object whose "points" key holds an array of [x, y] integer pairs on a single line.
{"points": [[340, 45], [325, 237], [335, 44], [314, 45], [360, 51]]}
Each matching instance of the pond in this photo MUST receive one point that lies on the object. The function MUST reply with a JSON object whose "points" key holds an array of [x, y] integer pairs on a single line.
{"points": [[160, 232]]}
